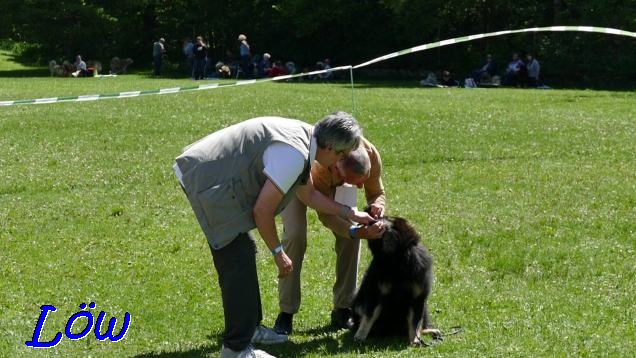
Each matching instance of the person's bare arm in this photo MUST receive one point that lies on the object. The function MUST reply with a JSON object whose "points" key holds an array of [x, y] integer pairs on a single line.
{"points": [[341, 227], [264, 213], [319, 202], [373, 186]]}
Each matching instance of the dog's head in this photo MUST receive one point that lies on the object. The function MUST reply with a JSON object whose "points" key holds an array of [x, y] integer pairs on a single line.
{"points": [[398, 237]]}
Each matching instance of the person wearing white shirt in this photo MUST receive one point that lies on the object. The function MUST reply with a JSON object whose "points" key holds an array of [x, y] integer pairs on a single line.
{"points": [[238, 179]]}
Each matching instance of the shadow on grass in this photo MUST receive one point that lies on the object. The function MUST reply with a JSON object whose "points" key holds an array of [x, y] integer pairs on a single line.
{"points": [[324, 341], [27, 72], [320, 341], [204, 351]]}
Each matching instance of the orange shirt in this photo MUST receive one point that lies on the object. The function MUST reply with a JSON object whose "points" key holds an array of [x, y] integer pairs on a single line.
{"points": [[326, 180]]}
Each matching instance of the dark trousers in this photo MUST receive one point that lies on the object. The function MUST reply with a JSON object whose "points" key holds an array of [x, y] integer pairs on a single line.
{"points": [[246, 66], [157, 64], [199, 68], [238, 280]]}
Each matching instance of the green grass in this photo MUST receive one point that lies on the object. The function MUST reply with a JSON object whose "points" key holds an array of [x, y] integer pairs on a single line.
{"points": [[7, 63], [526, 199]]}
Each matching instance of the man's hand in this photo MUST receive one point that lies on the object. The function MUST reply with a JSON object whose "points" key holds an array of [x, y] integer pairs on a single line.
{"points": [[372, 231], [284, 264], [376, 211], [360, 217]]}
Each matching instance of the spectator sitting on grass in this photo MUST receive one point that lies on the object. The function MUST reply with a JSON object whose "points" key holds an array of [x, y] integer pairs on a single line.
{"points": [[486, 71], [277, 70], [80, 67], [516, 72]]}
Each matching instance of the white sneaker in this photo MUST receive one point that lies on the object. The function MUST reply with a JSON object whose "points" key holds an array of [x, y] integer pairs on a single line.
{"points": [[264, 335], [248, 352]]}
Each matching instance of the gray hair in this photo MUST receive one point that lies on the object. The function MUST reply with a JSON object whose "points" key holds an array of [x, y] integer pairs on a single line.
{"points": [[338, 130], [357, 162]]}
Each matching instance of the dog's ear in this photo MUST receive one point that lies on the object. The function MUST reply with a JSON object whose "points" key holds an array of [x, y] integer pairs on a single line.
{"points": [[407, 232], [390, 240]]}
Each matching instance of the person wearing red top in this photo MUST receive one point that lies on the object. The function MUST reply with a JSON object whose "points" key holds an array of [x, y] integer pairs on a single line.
{"points": [[277, 70]]}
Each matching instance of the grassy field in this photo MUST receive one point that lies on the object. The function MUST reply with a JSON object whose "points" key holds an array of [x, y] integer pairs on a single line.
{"points": [[526, 199]]}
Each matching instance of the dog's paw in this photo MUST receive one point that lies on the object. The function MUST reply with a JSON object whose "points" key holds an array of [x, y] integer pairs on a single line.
{"points": [[359, 337], [436, 334]]}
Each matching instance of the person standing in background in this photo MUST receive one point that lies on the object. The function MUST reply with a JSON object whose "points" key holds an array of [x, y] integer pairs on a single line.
{"points": [[200, 54], [158, 50], [534, 68], [246, 55], [189, 56]]}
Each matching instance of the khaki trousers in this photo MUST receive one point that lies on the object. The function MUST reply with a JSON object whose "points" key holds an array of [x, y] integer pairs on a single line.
{"points": [[295, 244]]}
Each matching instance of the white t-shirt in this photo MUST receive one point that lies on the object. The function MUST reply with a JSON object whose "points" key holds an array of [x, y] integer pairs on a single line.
{"points": [[283, 164]]}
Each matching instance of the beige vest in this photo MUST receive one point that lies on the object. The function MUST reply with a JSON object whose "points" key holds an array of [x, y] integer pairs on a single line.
{"points": [[223, 173]]}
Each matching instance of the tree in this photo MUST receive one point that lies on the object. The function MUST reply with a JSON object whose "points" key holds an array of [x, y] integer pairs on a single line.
{"points": [[347, 31]]}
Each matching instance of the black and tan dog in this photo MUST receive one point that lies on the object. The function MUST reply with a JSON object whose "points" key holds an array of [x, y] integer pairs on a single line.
{"points": [[392, 298]]}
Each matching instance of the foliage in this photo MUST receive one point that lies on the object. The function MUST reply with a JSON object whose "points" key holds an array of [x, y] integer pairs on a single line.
{"points": [[346, 31]]}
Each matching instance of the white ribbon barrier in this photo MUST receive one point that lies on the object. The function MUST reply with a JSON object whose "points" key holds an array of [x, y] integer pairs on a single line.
{"points": [[129, 94], [428, 46]]}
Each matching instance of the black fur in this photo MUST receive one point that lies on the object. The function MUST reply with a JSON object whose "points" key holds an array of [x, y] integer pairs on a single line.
{"points": [[398, 281]]}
